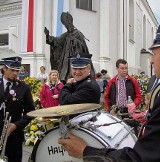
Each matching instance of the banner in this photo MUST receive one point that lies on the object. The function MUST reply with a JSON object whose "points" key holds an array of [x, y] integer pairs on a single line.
{"points": [[62, 6], [27, 26]]}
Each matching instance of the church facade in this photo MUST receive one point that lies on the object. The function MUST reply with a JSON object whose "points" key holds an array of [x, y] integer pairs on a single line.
{"points": [[115, 29]]}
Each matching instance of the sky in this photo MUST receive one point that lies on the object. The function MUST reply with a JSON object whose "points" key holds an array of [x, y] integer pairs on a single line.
{"points": [[155, 6]]}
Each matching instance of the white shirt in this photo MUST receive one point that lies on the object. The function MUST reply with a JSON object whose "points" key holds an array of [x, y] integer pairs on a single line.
{"points": [[5, 83], [42, 76]]}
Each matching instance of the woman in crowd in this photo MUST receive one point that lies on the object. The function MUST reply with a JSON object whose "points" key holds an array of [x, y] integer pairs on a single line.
{"points": [[49, 95], [100, 83], [23, 73], [42, 76]]}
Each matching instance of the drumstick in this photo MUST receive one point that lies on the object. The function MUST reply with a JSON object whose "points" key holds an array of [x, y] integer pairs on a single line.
{"points": [[108, 124], [123, 114]]}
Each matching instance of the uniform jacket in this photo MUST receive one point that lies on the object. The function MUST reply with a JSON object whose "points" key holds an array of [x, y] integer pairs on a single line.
{"points": [[85, 91], [17, 109], [46, 95], [132, 89], [146, 149]]}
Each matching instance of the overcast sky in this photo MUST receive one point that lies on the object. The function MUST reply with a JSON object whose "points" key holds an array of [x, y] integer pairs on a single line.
{"points": [[155, 6]]}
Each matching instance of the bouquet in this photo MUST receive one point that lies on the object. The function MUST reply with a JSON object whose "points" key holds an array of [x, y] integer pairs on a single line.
{"points": [[34, 129], [35, 86], [32, 132]]}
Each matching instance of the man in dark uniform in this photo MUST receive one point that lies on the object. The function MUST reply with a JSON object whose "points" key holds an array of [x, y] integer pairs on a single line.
{"points": [[146, 148], [15, 98], [82, 88]]}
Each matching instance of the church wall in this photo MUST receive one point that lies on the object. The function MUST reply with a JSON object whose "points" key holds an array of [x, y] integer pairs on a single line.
{"points": [[88, 23], [113, 37]]}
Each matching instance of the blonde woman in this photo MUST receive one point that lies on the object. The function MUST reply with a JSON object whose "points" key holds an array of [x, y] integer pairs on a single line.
{"points": [[49, 95]]}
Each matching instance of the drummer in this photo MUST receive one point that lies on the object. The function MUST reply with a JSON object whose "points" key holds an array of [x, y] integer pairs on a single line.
{"points": [[82, 87], [146, 148]]}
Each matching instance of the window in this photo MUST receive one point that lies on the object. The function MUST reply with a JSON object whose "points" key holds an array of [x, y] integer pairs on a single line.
{"points": [[84, 4], [4, 39]]}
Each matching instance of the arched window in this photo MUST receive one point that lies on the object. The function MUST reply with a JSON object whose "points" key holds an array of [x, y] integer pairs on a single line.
{"points": [[131, 20]]}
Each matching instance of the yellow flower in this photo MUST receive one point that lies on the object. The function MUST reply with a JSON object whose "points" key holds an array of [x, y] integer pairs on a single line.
{"points": [[33, 127], [35, 140], [32, 132], [33, 122], [28, 141]]}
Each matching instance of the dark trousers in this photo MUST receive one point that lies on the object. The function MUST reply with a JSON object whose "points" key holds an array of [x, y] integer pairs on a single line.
{"points": [[14, 149]]}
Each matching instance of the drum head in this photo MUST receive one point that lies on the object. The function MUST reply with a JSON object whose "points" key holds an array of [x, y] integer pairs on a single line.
{"points": [[47, 148]]}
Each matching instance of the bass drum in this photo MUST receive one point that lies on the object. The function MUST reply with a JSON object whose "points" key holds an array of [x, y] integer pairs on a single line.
{"points": [[117, 135]]}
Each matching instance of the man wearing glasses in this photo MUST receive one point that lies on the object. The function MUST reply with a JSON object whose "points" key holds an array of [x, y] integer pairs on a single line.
{"points": [[120, 87]]}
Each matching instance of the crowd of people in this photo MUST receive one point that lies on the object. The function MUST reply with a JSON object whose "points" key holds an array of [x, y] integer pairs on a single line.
{"points": [[146, 148], [82, 87]]}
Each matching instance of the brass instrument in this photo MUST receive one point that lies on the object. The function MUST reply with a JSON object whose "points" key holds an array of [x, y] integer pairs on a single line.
{"points": [[3, 138]]}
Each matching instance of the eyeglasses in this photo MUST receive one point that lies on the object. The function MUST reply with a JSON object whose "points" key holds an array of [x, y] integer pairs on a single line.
{"points": [[125, 68]]}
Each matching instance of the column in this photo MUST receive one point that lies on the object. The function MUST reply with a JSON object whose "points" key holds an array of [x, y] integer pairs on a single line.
{"points": [[48, 22], [121, 28], [39, 26], [104, 29]]}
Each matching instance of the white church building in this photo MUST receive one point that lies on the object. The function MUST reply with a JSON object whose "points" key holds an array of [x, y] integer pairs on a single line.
{"points": [[115, 29]]}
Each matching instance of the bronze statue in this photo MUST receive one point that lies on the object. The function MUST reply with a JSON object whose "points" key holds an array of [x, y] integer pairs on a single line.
{"points": [[69, 43]]}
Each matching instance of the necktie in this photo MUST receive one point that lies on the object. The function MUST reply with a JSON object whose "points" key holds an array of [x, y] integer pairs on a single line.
{"points": [[7, 89]]}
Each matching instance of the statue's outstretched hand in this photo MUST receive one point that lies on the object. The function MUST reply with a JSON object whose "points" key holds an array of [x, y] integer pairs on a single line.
{"points": [[46, 31]]}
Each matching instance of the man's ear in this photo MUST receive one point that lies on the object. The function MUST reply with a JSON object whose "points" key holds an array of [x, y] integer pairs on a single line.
{"points": [[4, 68], [89, 66]]}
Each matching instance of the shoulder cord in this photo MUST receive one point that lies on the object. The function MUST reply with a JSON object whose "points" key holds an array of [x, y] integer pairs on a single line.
{"points": [[154, 95]]}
